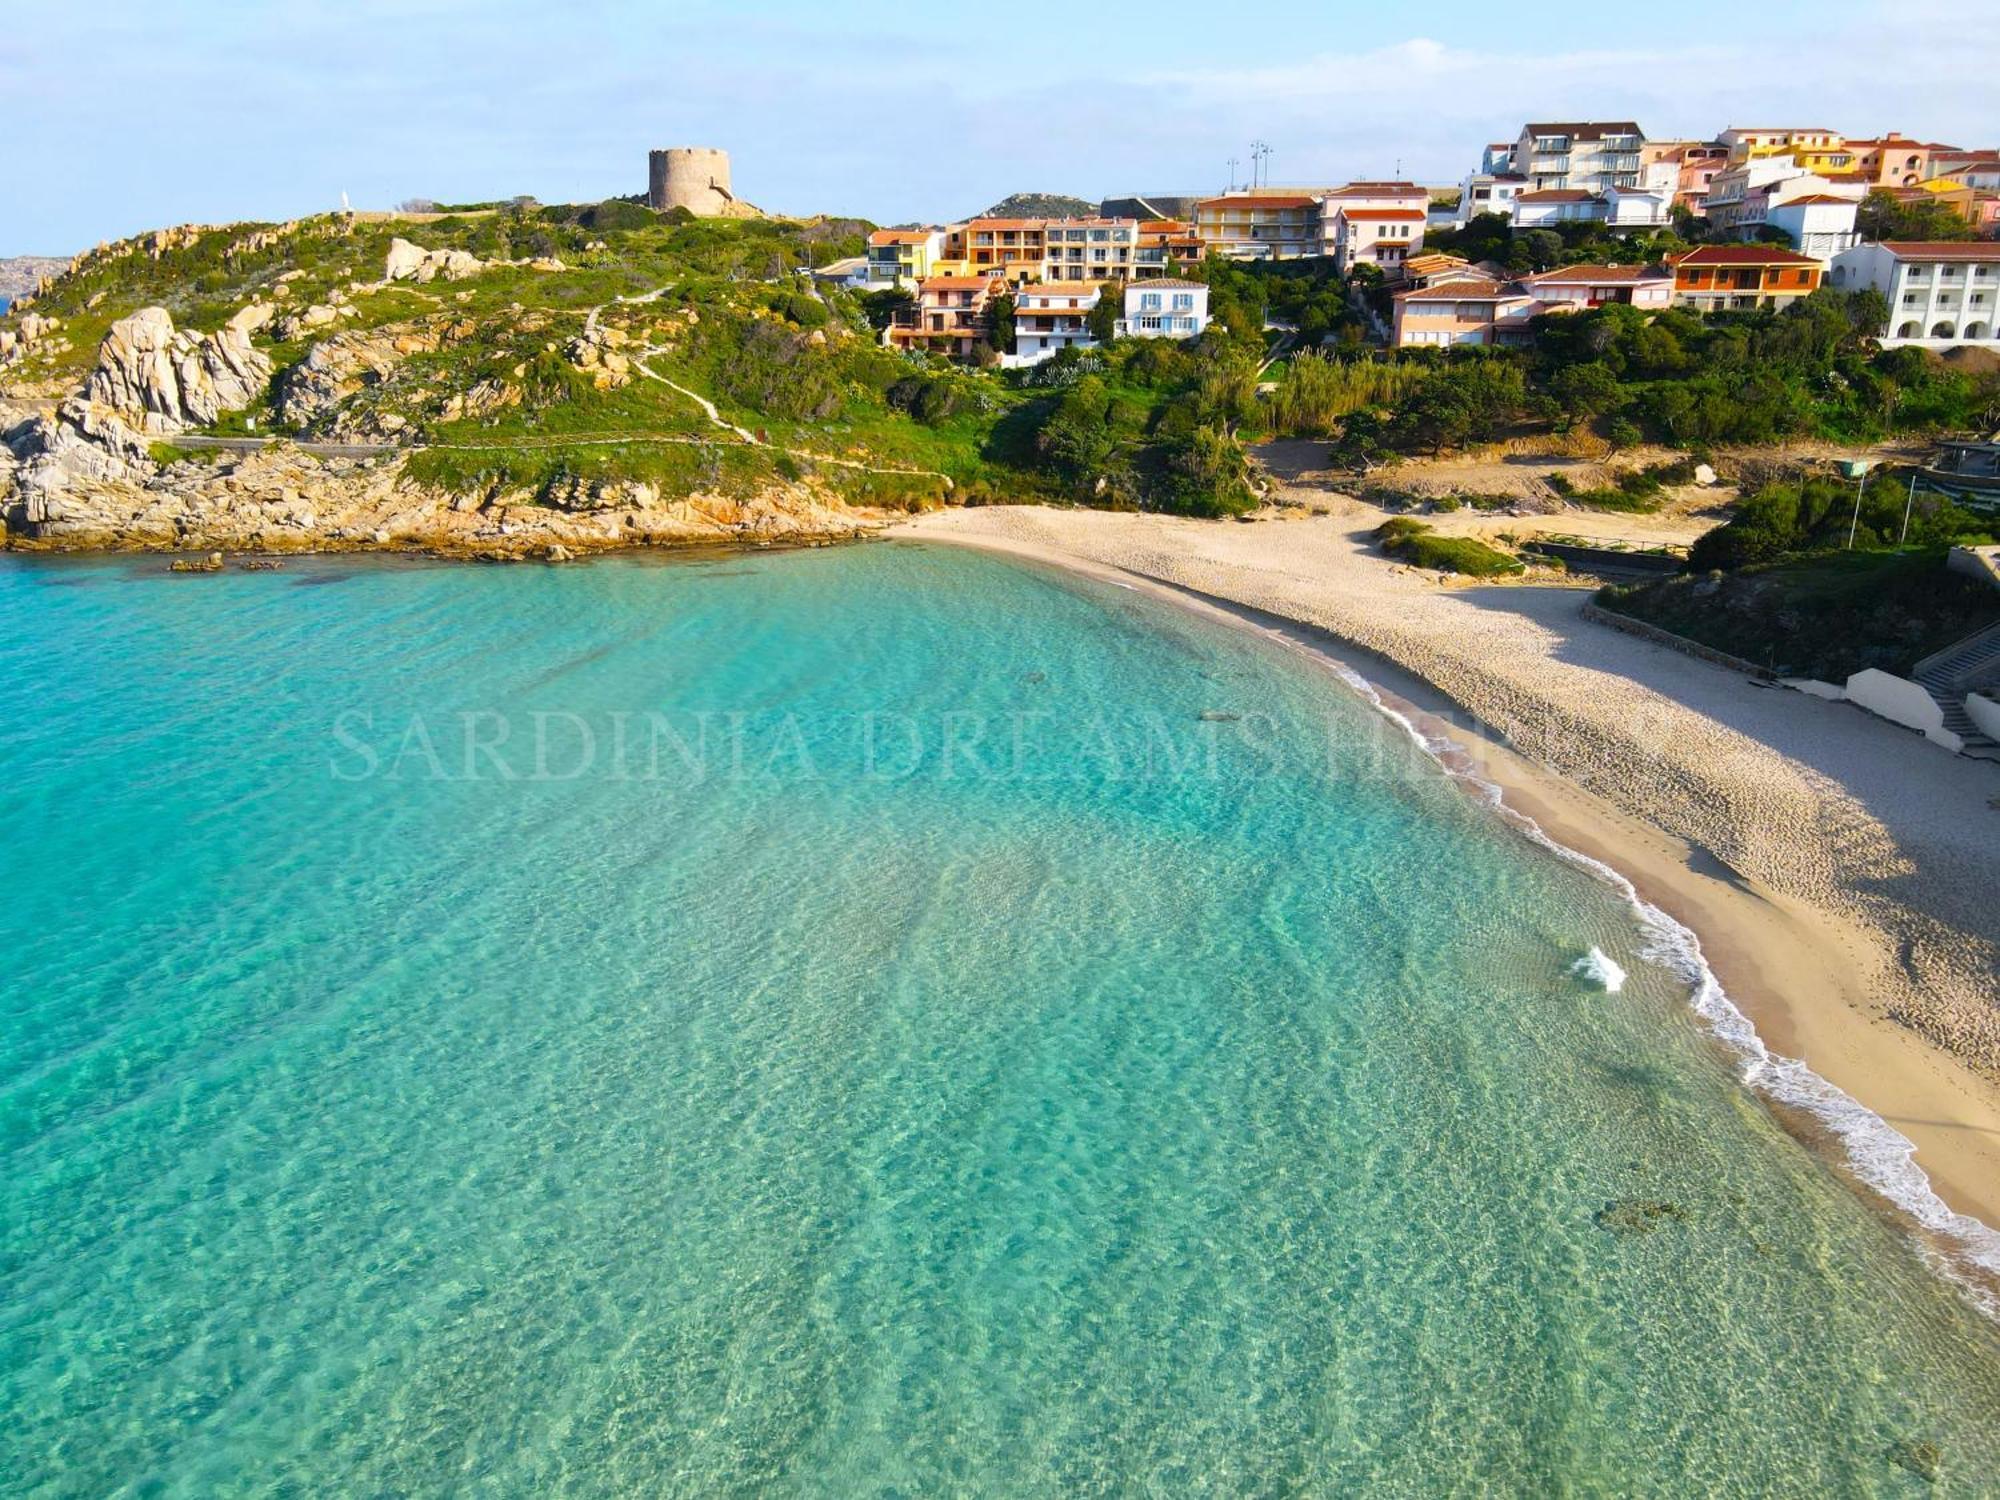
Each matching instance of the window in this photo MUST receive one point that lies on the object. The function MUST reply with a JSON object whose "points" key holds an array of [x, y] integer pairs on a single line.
{"points": [[1149, 302], [1183, 301]]}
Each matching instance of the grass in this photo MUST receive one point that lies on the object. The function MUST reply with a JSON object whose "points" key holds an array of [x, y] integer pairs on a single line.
{"points": [[1827, 615], [1414, 542]]}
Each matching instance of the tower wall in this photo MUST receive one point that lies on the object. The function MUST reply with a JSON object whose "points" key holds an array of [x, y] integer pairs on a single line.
{"points": [[695, 178]]}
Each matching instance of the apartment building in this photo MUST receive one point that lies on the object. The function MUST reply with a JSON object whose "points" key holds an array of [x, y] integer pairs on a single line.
{"points": [[1941, 294], [1694, 165], [1167, 308], [1586, 155], [1740, 200], [1091, 250], [1013, 248], [1162, 243], [1261, 223], [1467, 309], [1732, 278], [950, 315], [1897, 161], [896, 256], [1049, 318], [1814, 149]]}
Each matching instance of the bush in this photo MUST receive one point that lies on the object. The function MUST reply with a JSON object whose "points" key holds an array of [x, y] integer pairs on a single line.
{"points": [[1415, 543]]}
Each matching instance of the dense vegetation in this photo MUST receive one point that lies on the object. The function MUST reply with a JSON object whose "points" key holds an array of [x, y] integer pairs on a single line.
{"points": [[1778, 585], [1825, 615], [1821, 515], [1810, 370], [1491, 238]]}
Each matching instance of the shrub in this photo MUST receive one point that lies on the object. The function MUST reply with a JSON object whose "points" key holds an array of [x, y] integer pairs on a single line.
{"points": [[1415, 543]]}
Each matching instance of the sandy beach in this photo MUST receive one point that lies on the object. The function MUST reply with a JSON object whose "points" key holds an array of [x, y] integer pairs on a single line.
{"points": [[1839, 872]]}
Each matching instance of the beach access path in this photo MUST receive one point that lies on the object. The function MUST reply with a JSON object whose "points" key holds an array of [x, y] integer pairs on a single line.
{"points": [[1839, 871]]}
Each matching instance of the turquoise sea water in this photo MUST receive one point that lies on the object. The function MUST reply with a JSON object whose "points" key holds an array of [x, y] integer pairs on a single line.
{"points": [[966, 1070]]}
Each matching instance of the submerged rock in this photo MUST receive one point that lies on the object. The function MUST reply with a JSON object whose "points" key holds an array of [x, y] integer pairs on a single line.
{"points": [[1921, 1458], [1638, 1215]]}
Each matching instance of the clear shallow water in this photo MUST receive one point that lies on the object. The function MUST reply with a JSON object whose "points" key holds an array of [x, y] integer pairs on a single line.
{"points": [[1075, 1112]]}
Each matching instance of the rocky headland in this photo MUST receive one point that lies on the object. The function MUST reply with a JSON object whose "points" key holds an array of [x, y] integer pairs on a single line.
{"points": [[345, 412]]}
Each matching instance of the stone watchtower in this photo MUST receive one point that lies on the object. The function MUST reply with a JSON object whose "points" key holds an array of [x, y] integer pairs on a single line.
{"points": [[695, 178]]}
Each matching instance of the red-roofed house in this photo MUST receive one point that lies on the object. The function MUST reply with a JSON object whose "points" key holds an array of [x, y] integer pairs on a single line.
{"points": [[1381, 237], [1719, 278], [1462, 311]]}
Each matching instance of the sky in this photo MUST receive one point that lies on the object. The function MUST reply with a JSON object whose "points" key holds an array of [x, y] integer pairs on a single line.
{"points": [[123, 115]]}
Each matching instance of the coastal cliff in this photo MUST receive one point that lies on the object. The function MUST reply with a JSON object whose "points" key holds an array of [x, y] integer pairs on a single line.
{"points": [[502, 390]]}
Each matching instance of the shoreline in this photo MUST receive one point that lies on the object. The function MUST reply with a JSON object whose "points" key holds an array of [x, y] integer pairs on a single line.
{"points": [[1786, 974]]}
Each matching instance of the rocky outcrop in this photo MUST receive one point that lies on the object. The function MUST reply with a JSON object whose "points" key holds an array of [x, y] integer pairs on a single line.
{"points": [[595, 352], [81, 479], [410, 262], [81, 453], [168, 381], [29, 330]]}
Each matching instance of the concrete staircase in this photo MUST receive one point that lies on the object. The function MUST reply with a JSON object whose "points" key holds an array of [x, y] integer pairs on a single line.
{"points": [[1949, 674]]}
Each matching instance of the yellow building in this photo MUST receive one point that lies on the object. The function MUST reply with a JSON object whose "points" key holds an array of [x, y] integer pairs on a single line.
{"points": [[1823, 151]]}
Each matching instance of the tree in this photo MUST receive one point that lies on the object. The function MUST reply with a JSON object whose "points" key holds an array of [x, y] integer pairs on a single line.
{"points": [[1000, 323], [1542, 247], [882, 308], [1884, 216], [417, 206], [1587, 391], [1102, 319]]}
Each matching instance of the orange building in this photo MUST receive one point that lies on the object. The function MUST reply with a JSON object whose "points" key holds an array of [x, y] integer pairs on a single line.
{"points": [[950, 315], [1011, 247], [1730, 278]]}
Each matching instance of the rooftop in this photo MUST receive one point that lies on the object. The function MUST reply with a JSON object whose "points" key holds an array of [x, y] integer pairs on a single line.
{"points": [[1170, 283], [1378, 190], [1586, 130], [1262, 200], [1556, 195], [1597, 275], [1743, 255], [1981, 250], [1397, 214]]}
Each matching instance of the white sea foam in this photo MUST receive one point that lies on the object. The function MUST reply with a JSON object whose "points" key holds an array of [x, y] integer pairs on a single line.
{"points": [[1878, 1154], [1598, 968]]}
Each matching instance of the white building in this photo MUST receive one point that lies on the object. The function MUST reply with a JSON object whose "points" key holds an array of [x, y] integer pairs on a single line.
{"points": [[1819, 224], [1579, 288], [1486, 192], [1049, 319], [1540, 208], [1942, 295], [1164, 308]]}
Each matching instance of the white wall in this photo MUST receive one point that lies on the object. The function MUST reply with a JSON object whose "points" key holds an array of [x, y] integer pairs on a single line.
{"points": [[1985, 712], [1902, 702]]}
